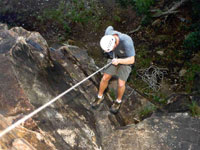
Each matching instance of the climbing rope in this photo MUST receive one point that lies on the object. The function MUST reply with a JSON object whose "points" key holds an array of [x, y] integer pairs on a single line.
{"points": [[152, 76], [11, 127]]}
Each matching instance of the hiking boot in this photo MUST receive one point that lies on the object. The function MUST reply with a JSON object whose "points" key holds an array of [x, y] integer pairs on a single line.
{"points": [[97, 102], [115, 107]]}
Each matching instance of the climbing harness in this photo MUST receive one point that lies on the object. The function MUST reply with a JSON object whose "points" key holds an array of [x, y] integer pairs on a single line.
{"points": [[11, 127]]}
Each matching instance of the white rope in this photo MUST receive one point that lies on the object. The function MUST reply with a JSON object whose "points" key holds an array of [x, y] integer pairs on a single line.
{"points": [[8, 129], [152, 76]]}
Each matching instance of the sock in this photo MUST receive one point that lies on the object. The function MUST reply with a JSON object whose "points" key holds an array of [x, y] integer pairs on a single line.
{"points": [[99, 96], [118, 101]]}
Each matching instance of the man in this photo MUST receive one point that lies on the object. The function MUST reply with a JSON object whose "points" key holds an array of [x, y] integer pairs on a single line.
{"points": [[121, 47]]}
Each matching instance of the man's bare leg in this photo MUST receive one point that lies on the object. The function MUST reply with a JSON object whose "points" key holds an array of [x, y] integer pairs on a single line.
{"points": [[104, 83], [121, 89]]}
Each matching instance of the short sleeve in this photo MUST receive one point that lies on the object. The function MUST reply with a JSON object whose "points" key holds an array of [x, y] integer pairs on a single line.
{"points": [[109, 30], [129, 46]]}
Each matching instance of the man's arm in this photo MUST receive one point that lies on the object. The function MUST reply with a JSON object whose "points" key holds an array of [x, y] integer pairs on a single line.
{"points": [[124, 61]]}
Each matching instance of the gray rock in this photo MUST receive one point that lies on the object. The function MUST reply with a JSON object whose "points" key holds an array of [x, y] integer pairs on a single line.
{"points": [[182, 72], [161, 53], [165, 132], [177, 103], [3, 26], [30, 78]]}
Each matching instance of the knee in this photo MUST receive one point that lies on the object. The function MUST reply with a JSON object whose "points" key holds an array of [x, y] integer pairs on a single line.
{"points": [[106, 77], [121, 83]]}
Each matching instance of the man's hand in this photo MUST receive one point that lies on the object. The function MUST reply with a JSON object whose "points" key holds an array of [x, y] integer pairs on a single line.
{"points": [[115, 61], [124, 61]]}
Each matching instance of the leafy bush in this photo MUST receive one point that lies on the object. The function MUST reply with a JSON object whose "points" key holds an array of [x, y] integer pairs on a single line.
{"points": [[190, 74], [192, 43], [79, 12], [143, 6], [56, 16], [75, 12], [193, 69]]}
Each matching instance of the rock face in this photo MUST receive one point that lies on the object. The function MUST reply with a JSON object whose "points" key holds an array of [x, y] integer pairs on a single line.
{"points": [[32, 74], [30, 78], [166, 132]]}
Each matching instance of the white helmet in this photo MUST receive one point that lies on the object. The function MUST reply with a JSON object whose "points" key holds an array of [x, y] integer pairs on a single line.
{"points": [[107, 43]]}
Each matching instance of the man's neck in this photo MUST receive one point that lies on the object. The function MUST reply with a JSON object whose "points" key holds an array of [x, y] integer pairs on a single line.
{"points": [[117, 39]]}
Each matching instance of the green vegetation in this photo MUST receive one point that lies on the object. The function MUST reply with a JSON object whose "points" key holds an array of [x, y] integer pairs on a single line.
{"points": [[193, 68], [146, 20], [192, 43], [159, 100], [189, 76], [112, 94], [126, 3], [194, 109], [142, 6], [143, 61], [76, 12], [143, 56], [146, 111]]}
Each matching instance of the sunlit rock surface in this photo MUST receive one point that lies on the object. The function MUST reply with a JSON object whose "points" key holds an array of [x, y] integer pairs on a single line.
{"points": [[31, 74]]}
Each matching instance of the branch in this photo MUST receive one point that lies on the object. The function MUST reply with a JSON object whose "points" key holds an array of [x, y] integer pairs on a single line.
{"points": [[172, 10], [133, 31]]}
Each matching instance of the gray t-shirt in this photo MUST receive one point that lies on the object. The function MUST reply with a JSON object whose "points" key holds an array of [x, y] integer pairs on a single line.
{"points": [[126, 46]]}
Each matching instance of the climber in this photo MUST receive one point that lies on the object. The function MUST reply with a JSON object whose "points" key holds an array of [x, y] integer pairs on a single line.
{"points": [[120, 49]]}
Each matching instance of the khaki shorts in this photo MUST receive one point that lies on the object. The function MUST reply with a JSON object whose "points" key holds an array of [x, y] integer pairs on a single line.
{"points": [[121, 71]]}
